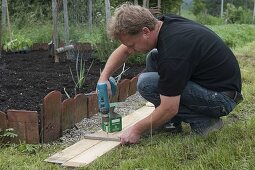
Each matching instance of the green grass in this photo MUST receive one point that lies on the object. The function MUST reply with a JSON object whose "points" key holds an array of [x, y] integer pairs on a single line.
{"points": [[231, 148], [28, 157], [235, 35]]}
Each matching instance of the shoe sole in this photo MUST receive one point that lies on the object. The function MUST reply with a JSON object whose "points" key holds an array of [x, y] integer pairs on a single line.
{"points": [[215, 127]]}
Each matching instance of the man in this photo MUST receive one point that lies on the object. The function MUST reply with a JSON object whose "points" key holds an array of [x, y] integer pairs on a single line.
{"points": [[191, 75]]}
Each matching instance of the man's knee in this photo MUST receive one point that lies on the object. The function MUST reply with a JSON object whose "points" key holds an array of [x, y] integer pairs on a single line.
{"points": [[147, 82], [151, 61]]}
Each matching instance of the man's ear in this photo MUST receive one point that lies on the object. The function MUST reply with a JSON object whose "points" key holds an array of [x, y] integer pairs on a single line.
{"points": [[146, 31]]}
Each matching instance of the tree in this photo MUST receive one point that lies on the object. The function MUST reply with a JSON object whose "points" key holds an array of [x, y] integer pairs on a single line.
{"points": [[214, 7], [172, 6], [198, 7], [237, 15]]}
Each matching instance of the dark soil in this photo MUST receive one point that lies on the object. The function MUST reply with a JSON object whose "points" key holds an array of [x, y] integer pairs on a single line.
{"points": [[27, 78]]}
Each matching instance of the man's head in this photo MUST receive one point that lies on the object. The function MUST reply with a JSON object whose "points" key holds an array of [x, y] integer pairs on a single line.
{"points": [[133, 25]]}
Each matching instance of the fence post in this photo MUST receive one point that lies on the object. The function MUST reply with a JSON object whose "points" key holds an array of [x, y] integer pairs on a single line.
{"points": [[55, 29]]}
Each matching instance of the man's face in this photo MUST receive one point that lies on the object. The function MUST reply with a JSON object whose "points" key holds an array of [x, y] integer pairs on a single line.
{"points": [[137, 43]]}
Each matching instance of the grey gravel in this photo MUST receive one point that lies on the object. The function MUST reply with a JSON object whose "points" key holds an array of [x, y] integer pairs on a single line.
{"points": [[93, 124]]}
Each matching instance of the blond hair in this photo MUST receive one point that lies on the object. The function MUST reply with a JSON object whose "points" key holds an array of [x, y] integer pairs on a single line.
{"points": [[130, 19]]}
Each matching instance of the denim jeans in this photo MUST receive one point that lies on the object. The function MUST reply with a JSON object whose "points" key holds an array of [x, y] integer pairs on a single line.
{"points": [[198, 105]]}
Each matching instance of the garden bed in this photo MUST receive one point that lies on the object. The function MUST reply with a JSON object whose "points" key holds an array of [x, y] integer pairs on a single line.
{"points": [[33, 100], [27, 78]]}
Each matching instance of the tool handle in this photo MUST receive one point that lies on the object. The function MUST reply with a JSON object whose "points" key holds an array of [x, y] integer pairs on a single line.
{"points": [[102, 95], [113, 85]]}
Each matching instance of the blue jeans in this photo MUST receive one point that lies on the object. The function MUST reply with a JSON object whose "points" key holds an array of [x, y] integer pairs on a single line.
{"points": [[198, 105]]}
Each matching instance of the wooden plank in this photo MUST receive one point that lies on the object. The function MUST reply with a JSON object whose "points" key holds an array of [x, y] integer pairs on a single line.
{"points": [[68, 114], [51, 116], [92, 104], [91, 154], [3, 121], [72, 151], [81, 107], [25, 125], [123, 89], [88, 155], [132, 86], [80, 147]]}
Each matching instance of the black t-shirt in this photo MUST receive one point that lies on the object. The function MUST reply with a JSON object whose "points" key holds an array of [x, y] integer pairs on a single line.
{"points": [[190, 51]]}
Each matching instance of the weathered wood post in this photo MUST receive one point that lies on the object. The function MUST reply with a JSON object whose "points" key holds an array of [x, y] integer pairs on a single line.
{"points": [[159, 4], [254, 13], [4, 13], [66, 27], [90, 13], [146, 3], [221, 8], [107, 10], [55, 29]]}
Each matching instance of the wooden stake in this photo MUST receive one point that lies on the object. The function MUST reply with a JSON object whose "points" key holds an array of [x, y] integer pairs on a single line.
{"points": [[55, 29], [90, 14], [107, 10]]}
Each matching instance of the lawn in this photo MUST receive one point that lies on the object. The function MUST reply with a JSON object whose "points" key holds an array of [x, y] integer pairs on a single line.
{"points": [[231, 148]]}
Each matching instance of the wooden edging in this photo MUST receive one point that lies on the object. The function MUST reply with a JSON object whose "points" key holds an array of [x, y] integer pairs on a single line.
{"points": [[57, 115]]}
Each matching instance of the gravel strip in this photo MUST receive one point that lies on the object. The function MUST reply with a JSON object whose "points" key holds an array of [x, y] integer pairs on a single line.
{"points": [[93, 124]]}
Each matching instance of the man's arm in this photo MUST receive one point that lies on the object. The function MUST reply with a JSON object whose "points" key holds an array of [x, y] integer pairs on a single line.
{"points": [[115, 61], [162, 114]]}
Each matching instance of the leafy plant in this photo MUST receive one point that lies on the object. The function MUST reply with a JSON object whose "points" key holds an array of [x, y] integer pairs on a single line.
{"points": [[81, 73], [209, 19], [7, 134], [17, 44], [106, 46], [28, 148]]}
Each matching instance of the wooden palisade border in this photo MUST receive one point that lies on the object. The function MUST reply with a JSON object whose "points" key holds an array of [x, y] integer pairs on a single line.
{"points": [[57, 115]]}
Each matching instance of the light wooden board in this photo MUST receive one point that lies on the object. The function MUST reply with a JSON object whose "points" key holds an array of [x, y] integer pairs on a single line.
{"points": [[87, 150]]}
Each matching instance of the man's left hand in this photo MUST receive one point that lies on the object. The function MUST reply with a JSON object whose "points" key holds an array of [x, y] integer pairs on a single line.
{"points": [[130, 136]]}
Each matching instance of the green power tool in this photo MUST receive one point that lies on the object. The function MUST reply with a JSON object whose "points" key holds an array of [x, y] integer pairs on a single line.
{"points": [[111, 121]]}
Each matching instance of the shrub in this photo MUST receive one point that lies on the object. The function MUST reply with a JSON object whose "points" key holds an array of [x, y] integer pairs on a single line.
{"points": [[17, 44], [105, 47], [209, 20], [138, 58], [238, 15]]}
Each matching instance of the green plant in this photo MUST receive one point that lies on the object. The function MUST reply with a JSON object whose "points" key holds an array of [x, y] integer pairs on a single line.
{"points": [[137, 58], [106, 46], [7, 134], [235, 35], [17, 44], [81, 73], [198, 7], [28, 148], [209, 20]]}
